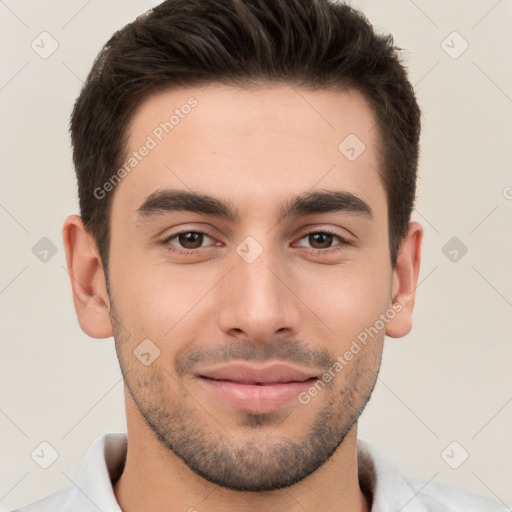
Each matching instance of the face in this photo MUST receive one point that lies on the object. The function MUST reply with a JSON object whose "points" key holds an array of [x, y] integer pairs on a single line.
{"points": [[250, 276]]}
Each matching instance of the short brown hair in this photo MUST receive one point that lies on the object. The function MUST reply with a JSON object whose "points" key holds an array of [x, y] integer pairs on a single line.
{"points": [[319, 44]]}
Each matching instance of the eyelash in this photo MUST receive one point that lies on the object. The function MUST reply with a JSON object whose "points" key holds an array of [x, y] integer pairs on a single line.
{"points": [[193, 252]]}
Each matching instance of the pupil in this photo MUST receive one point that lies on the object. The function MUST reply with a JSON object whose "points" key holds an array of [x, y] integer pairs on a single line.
{"points": [[322, 238], [193, 238]]}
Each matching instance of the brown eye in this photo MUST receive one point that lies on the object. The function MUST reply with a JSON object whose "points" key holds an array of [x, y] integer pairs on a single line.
{"points": [[320, 240], [323, 242], [190, 240]]}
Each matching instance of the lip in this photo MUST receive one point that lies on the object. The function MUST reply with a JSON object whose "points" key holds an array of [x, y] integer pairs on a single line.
{"points": [[257, 389], [246, 373]]}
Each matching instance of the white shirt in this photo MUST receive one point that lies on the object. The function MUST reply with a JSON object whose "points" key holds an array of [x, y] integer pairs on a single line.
{"points": [[92, 490]]}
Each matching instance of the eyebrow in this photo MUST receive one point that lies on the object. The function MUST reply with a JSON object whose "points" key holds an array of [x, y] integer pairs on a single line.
{"points": [[322, 201]]}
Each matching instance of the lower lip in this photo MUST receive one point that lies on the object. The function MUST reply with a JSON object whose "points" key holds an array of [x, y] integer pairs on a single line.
{"points": [[253, 398]]}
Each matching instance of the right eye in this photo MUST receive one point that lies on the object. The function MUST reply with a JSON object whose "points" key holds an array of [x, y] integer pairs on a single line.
{"points": [[190, 242]]}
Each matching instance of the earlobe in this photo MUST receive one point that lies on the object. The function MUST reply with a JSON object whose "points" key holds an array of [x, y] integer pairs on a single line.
{"points": [[88, 284], [405, 281]]}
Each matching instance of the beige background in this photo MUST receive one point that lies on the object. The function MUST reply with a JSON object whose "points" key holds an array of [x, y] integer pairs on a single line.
{"points": [[448, 380]]}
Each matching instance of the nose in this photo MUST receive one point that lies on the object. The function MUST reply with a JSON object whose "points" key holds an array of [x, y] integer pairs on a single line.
{"points": [[257, 299]]}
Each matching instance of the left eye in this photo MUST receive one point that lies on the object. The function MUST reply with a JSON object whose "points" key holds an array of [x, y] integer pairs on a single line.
{"points": [[324, 239]]}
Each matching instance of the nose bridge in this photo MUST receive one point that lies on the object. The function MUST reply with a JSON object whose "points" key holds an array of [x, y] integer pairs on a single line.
{"points": [[255, 299]]}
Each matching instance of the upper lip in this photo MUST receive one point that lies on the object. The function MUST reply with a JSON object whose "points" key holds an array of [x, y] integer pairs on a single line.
{"points": [[264, 374]]}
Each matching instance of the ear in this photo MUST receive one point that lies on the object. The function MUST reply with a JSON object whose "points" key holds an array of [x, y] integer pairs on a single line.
{"points": [[405, 278], [88, 283]]}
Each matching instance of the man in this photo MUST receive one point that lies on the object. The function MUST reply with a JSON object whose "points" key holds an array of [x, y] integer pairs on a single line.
{"points": [[246, 172]]}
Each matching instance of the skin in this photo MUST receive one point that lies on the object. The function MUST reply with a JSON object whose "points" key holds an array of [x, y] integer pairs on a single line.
{"points": [[255, 149]]}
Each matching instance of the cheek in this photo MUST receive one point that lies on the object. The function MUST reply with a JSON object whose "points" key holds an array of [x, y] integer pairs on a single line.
{"points": [[160, 301], [344, 299]]}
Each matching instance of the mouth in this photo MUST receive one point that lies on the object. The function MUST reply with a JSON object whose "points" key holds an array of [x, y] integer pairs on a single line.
{"points": [[256, 389], [250, 383]]}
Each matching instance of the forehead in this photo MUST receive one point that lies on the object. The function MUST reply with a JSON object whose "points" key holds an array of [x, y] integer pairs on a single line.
{"points": [[251, 146]]}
